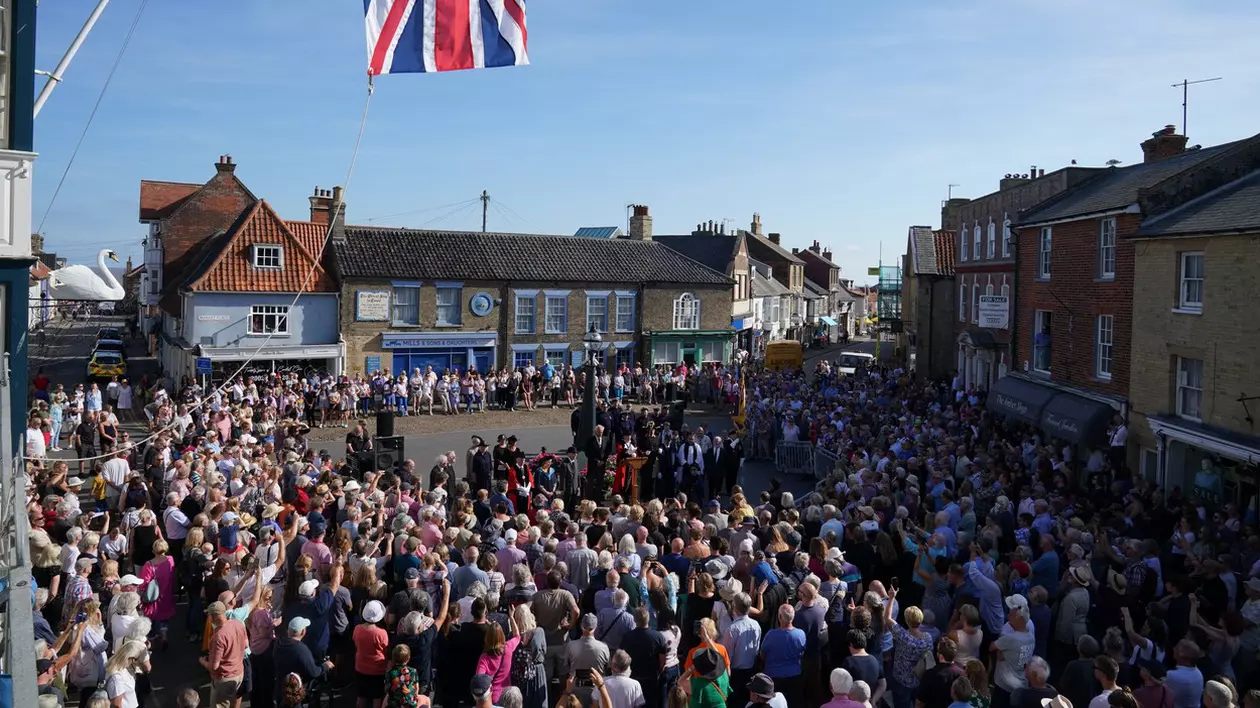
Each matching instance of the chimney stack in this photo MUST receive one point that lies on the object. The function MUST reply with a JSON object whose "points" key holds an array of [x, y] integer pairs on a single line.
{"points": [[796, 251], [816, 248], [826, 253], [225, 164], [756, 223], [640, 223], [1163, 144], [37, 244], [338, 209], [321, 206], [774, 238]]}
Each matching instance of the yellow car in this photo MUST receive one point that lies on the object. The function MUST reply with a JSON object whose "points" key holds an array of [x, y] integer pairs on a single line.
{"points": [[104, 364]]}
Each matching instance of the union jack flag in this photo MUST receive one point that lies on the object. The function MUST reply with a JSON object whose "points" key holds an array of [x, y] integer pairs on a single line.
{"points": [[410, 36]]}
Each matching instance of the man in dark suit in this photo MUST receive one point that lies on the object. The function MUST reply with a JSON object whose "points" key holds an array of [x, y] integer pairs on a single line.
{"points": [[734, 458], [598, 449], [482, 467], [567, 479], [715, 466]]}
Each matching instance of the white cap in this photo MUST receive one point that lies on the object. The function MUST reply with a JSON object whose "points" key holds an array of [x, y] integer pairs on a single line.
{"points": [[510, 535], [308, 588], [130, 579], [351, 486]]}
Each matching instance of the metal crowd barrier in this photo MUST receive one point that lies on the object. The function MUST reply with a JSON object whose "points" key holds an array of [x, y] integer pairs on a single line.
{"points": [[794, 457], [826, 462]]}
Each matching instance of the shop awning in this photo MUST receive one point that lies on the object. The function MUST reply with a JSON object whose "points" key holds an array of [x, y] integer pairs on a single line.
{"points": [[829, 321], [1077, 419], [1016, 398]]}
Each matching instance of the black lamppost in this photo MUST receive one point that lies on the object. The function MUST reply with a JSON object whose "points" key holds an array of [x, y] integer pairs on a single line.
{"points": [[586, 423]]}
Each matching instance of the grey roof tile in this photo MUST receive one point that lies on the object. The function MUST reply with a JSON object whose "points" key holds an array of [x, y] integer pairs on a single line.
{"points": [[713, 250], [1118, 187], [1233, 207], [374, 252]]}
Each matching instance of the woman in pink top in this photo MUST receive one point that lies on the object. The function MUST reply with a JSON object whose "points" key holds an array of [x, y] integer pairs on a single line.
{"points": [[496, 658], [370, 660], [160, 570]]}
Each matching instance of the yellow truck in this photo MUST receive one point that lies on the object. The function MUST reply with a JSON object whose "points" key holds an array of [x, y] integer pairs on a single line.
{"points": [[784, 355]]}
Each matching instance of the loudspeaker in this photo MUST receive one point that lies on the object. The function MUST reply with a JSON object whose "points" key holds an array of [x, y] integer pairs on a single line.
{"points": [[387, 452], [676, 413], [384, 424]]}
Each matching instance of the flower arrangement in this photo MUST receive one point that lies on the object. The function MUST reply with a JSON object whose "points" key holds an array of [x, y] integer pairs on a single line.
{"points": [[610, 473]]}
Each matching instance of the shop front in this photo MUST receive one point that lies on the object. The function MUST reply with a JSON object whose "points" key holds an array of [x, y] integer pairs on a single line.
{"points": [[1219, 466], [1060, 414], [444, 351], [690, 347], [312, 360], [744, 332]]}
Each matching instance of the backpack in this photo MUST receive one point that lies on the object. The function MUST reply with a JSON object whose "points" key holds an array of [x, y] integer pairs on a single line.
{"points": [[526, 660]]}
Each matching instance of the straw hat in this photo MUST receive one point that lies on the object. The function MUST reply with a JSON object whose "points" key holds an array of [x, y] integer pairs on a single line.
{"points": [[730, 589]]}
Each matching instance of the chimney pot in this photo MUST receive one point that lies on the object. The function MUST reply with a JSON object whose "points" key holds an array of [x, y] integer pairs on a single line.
{"points": [[775, 238], [225, 164], [1163, 144], [1041, 173]]}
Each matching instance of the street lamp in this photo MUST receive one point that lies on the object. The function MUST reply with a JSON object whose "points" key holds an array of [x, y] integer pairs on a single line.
{"points": [[586, 419]]}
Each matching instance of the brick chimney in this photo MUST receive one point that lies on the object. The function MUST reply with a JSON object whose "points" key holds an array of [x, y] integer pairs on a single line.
{"points": [[338, 208], [321, 205], [1163, 144], [816, 248], [774, 238], [640, 223], [756, 224], [225, 164], [826, 253]]}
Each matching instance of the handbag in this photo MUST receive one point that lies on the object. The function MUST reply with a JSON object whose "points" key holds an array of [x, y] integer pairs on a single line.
{"points": [[926, 662], [152, 592]]}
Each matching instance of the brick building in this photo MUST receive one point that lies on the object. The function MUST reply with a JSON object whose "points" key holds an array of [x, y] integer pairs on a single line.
{"points": [[725, 253], [984, 273], [453, 300], [1195, 379], [927, 301], [1075, 285], [786, 268], [824, 275]]}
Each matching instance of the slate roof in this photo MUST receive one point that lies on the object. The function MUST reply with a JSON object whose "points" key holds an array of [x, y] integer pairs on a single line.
{"points": [[767, 287], [932, 251], [1233, 207], [598, 232], [818, 257], [713, 250], [227, 263], [160, 199], [767, 243], [813, 291], [1118, 187], [374, 252]]}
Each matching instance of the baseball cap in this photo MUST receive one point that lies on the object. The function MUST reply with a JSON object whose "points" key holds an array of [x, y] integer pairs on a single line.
{"points": [[129, 579], [216, 608], [480, 686], [298, 624], [509, 535], [412, 574], [1015, 602], [715, 504], [308, 588]]}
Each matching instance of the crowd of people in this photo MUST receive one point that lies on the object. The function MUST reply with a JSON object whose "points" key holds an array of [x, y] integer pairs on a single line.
{"points": [[950, 560]]}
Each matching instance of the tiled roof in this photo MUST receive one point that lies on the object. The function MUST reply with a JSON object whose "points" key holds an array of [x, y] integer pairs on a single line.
{"points": [[39, 271], [818, 257], [1118, 187], [932, 251], [1234, 207], [230, 266], [767, 287], [946, 251], [713, 250], [813, 291], [776, 248], [159, 199], [598, 232], [372, 252]]}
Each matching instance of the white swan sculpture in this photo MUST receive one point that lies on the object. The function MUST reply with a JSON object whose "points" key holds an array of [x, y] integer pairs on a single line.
{"points": [[80, 283]]}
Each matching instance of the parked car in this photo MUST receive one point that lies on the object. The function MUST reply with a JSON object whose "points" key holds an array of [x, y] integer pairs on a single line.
{"points": [[109, 333]]}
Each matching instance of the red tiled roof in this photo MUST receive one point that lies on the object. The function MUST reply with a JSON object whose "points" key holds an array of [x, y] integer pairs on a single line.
{"points": [[40, 271], [946, 251], [310, 234], [233, 270], [159, 199]]}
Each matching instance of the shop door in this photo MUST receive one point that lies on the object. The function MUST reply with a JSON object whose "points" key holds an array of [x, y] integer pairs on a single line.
{"points": [[690, 355], [481, 359]]}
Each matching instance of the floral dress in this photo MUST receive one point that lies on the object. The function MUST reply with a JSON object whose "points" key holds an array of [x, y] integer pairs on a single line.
{"points": [[402, 688], [907, 649]]}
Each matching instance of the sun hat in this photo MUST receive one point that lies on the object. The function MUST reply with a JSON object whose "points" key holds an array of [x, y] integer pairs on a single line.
{"points": [[1081, 575], [272, 511], [708, 664], [374, 611], [716, 568], [761, 685], [730, 589], [1059, 701]]}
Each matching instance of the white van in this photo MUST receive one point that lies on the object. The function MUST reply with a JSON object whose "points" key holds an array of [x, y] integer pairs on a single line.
{"points": [[850, 362]]}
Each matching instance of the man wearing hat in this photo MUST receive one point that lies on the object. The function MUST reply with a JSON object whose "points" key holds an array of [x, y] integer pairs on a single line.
{"points": [[481, 466], [709, 680], [292, 656], [315, 604], [584, 655], [1070, 625], [226, 660], [761, 693]]}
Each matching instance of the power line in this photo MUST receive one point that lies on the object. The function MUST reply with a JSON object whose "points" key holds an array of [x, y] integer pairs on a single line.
{"points": [[518, 216], [449, 214], [421, 211], [131, 31]]}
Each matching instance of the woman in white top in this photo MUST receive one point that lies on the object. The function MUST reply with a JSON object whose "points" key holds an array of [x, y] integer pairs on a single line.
{"points": [[968, 635], [120, 674], [124, 612]]}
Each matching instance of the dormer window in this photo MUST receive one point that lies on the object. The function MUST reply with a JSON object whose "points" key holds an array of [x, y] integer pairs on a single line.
{"points": [[268, 256]]}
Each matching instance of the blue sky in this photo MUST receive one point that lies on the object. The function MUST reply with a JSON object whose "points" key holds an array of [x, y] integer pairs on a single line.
{"points": [[840, 122]]}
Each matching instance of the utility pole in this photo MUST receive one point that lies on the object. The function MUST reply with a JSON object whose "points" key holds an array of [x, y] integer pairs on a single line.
{"points": [[485, 208], [1185, 97], [54, 77], [950, 194]]}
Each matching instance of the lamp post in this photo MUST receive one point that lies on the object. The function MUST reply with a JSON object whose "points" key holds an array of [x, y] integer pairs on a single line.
{"points": [[586, 424]]}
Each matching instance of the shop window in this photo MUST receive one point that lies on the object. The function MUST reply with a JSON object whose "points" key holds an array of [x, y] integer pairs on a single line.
{"points": [[712, 351], [666, 353]]}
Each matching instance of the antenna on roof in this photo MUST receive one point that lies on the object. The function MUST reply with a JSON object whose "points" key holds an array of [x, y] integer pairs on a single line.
{"points": [[1185, 97]]}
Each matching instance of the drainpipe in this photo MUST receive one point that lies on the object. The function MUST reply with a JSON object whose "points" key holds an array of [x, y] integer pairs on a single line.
{"points": [[1013, 345]]}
